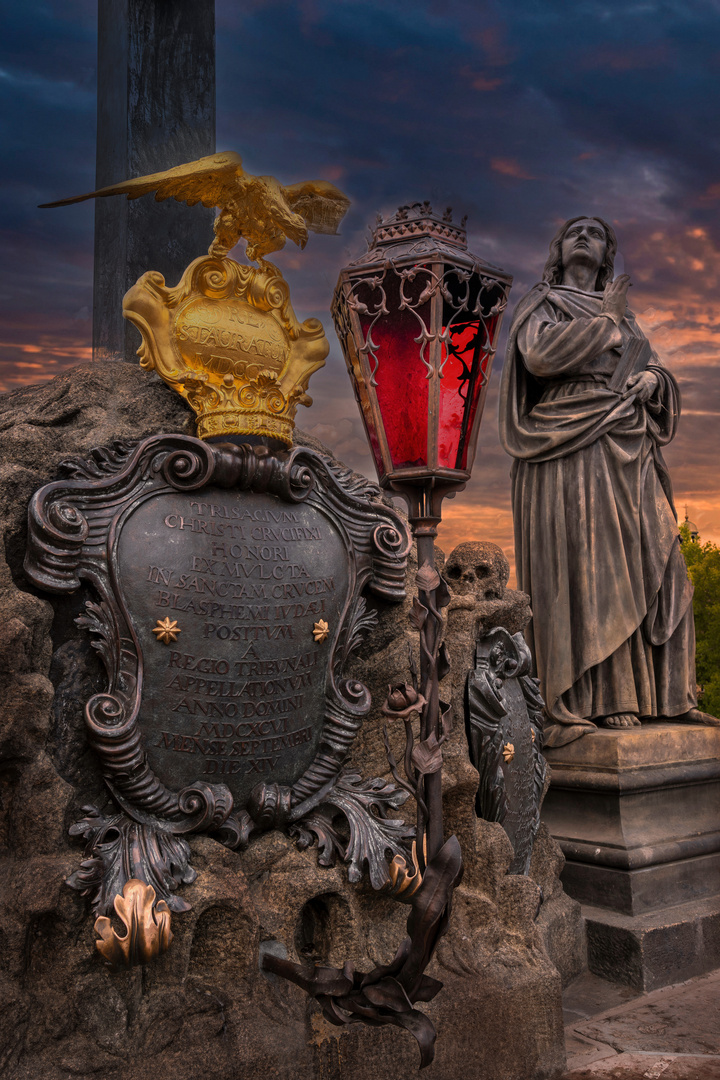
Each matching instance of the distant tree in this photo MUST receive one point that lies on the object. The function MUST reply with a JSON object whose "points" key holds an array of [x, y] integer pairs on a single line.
{"points": [[703, 562]]}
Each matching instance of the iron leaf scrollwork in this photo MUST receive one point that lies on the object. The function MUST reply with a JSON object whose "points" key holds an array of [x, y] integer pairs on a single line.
{"points": [[388, 995], [119, 850], [365, 806]]}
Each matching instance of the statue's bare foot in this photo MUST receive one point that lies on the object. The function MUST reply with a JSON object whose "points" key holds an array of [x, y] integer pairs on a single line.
{"points": [[695, 716], [620, 720]]}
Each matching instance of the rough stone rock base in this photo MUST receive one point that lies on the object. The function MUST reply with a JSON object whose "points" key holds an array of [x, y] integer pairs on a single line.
{"points": [[204, 1008], [560, 922]]}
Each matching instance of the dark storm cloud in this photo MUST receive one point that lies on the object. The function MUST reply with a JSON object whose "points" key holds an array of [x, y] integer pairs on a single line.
{"points": [[47, 102], [47, 97], [516, 120], [649, 81], [519, 115]]}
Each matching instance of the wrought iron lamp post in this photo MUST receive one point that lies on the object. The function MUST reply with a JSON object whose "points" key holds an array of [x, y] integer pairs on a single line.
{"points": [[418, 319]]}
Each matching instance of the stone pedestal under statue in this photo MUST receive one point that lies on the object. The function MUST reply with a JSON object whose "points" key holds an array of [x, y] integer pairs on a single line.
{"points": [[637, 814]]}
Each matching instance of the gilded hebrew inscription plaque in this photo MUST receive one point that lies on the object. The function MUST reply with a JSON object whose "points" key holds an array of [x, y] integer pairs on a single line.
{"points": [[238, 696]]}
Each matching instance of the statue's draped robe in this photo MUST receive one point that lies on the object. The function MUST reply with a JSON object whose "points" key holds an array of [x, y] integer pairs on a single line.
{"points": [[596, 537]]}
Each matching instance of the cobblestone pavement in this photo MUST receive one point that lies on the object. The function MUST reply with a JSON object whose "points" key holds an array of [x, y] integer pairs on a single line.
{"points": [[670, 1034]]}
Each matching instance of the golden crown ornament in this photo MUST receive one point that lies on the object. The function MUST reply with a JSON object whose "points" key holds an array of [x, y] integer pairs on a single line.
{"points": [[227, 339], [226, 336]]}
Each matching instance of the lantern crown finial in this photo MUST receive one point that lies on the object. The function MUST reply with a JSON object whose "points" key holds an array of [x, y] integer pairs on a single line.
{"points": [[416, 220]]}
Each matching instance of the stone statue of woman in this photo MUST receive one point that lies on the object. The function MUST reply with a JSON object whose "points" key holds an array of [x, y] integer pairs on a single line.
{"points": [[585, 408]]}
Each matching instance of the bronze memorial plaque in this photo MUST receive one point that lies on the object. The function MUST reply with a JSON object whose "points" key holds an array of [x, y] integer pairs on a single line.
{"points": [[228, 588], [255, 590]]}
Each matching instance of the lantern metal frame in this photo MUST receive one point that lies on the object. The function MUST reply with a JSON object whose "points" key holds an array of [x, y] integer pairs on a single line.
{"points": [[416, 244]]}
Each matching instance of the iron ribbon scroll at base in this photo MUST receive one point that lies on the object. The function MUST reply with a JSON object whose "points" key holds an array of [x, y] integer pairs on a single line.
{"points": [[254, 564], [504, 731], [387, 995]]}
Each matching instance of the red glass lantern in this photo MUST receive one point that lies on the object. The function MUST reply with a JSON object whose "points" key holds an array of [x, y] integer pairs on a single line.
{"points": [[418, 319]]}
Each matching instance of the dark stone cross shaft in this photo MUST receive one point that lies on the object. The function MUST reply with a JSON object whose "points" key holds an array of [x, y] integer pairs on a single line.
{"points": [[156, 109]]}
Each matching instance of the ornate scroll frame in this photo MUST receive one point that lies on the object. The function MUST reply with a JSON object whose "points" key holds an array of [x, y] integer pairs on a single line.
{"points": [[74, 527]]}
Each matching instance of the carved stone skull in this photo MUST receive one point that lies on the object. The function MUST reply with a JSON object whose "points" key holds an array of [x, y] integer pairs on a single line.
{"points": [[478, 569]]}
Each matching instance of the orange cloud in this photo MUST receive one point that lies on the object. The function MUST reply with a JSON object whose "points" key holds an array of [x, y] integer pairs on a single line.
{"points": [[333, 172], [472, 521], [704, 511], [510, 167], [676, 274], [51, 355], [710, 194], [482, 82]]}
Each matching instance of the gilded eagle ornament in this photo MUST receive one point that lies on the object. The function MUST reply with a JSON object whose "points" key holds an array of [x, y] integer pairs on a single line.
{"points": [[258, 209], [226, 337]]}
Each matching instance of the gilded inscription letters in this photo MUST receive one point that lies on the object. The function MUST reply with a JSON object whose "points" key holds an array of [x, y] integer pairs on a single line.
{"points": [[230, 337]]}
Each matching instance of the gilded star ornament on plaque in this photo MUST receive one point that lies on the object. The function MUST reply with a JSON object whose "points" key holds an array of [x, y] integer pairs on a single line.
{"points": [[226, 337], [167, 630], [320, 630]]}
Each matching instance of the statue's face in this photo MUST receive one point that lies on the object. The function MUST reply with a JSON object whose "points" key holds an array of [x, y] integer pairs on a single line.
{"points": [[584, 242]]}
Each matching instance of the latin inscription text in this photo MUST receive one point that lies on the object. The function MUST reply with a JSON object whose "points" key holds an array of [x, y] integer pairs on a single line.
{"points": [[242, 689]]}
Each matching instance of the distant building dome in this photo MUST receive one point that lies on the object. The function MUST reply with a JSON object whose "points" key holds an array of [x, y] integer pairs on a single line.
{"points": [[692, 527]]}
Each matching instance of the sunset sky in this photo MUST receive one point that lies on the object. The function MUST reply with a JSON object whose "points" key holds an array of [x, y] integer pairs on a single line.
{"points": [[519, 115]]}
